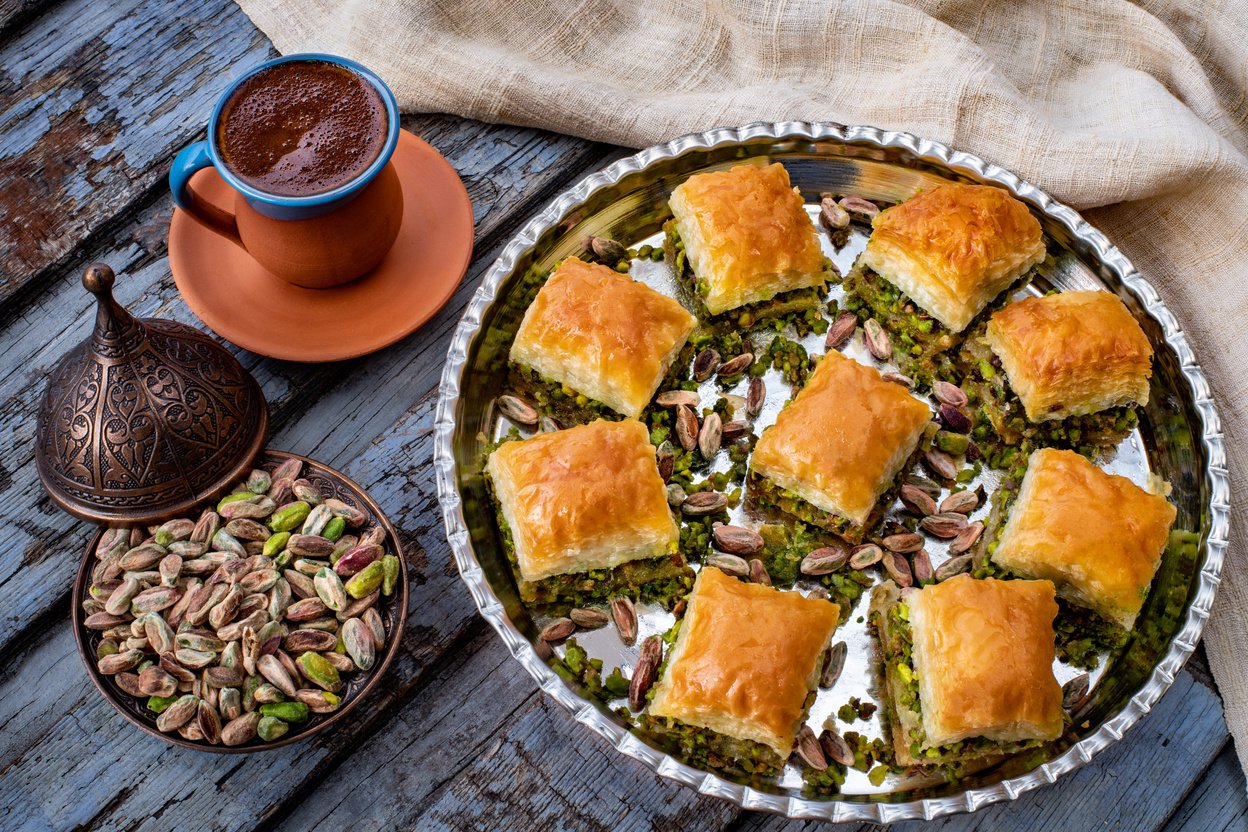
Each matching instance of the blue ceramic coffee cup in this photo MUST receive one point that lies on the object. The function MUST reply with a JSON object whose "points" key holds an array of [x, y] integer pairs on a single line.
{"points": [[319, 240]]}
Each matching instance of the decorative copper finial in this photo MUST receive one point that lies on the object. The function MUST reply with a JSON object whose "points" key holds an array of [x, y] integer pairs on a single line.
{"points": [[98, 278], [145, 418]]}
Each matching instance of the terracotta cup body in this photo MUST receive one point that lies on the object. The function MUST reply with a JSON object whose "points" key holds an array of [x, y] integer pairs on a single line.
{"points": [[330, 249], [317, 241]]}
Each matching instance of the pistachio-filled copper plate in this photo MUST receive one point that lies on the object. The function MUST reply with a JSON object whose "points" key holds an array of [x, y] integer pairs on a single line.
{"points": [[1178, 439], [356, 685]]}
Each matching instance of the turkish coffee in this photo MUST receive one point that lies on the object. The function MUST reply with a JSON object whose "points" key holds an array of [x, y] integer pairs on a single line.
{"points": [[302, 128]]}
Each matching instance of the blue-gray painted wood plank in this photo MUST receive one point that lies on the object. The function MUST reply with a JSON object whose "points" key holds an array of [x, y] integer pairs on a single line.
{"points": [[1218, 803], [14, 12], [95, 99]]}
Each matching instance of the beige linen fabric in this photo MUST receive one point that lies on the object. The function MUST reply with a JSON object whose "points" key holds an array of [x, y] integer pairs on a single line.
{"points": [[1134, 113]]}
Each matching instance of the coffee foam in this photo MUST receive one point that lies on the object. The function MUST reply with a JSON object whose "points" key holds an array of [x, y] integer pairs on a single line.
{"points": [[302, 128]]}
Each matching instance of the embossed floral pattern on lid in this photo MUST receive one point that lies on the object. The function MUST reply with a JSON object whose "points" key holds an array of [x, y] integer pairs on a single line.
{"points": [[145, 418]]}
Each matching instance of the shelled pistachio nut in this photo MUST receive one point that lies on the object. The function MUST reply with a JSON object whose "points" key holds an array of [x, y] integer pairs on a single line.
{"points": [[198, 619]]}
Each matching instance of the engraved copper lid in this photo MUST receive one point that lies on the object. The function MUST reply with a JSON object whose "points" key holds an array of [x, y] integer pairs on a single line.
{"points": [[146, 418]]}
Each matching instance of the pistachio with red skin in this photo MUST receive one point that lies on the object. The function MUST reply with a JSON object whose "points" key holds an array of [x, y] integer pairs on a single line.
{"points": [[356, 559], [755, 396], [841, 330], [645, 672], [705, 364]]}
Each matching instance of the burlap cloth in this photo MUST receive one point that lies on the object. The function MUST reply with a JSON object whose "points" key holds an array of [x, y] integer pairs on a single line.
{"points": [[1133, 113]]}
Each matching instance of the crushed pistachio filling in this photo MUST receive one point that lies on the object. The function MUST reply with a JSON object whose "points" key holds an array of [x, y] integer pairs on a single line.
{"points": [[578, 667], [695, 535], [790, 358], [846, 587], [727, 341], [515, 302], [1000, 424], [903, 683], [558, 400], [711, 750], [998, 514], [920, 342], [800, 307], [784, 546], [855, 709], [766, 494], [1166, 612], [1081, 634], [663, 580], [826, 782]]}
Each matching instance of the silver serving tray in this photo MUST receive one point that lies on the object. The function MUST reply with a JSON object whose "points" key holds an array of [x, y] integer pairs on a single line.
{"points": [[1179, 438]]}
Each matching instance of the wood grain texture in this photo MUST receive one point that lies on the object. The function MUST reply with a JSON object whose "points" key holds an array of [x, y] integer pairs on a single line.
{"points": [[102, 97], [1218, 802], [16, 13]]}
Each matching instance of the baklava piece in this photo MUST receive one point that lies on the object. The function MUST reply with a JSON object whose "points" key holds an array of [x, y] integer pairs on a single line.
{"points": [[741, 674], [1097, 536], [1063, 370], [838, 448], [584, 516], [746, 240], [595, 341], [968, 669], [935, 262]]}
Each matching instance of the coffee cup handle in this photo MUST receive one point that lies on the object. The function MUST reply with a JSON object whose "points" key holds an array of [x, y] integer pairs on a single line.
{"points": [[192, 159]]}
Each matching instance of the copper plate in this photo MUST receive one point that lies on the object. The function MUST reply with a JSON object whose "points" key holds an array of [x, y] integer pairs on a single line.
{"points": [[1180, 438], [393, 614]]}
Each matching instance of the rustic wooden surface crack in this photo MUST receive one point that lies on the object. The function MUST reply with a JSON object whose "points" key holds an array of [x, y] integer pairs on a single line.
{"points": [[95, 99]]}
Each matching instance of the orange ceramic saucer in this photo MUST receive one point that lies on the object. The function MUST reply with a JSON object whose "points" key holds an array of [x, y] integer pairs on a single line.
{"points": [[243, 303]]}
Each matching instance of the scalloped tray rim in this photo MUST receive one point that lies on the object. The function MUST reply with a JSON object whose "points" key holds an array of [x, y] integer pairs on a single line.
{"points": [[928, 808]]}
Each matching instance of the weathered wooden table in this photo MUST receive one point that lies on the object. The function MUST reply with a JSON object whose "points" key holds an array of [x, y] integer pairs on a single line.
{"points": [[95, 99]]}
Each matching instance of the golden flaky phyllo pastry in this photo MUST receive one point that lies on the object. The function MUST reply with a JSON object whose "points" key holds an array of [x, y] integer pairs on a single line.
{"points": [[841, 442], [952, 249], [983, 652], [746, 657], [1099, 537], [589, 497], [981, 659], [602, 334], [746, 235], [1072, 353]]}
